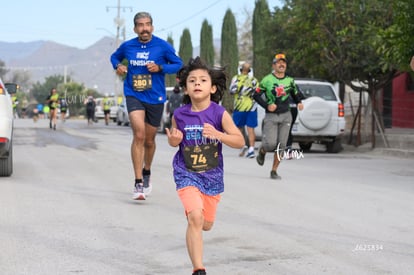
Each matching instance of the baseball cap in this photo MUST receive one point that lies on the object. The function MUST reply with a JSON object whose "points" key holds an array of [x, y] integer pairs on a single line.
{"points": [[279, 56]]}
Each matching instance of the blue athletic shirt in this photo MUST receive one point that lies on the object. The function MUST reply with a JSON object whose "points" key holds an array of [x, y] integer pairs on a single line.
{"points": [[138, 55]]}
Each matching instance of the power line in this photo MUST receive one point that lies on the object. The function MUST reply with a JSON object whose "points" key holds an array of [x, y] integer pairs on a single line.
{"points": [[191, 17]]}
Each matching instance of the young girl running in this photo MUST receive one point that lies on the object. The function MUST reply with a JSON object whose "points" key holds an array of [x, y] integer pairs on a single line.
{"points": [[199, 128]]}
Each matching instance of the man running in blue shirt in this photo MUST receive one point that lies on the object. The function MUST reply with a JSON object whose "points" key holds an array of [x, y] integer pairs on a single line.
{"points": [[149, 59]]}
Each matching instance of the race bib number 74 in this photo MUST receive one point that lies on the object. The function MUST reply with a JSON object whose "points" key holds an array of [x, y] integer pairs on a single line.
{"points": [[201, 158]]}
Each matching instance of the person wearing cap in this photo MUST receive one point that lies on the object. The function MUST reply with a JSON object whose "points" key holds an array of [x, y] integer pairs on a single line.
{"points": [[273, 95]]}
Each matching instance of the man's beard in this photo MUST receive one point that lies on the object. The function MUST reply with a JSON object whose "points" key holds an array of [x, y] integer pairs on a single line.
{"points": [[145, 38]]}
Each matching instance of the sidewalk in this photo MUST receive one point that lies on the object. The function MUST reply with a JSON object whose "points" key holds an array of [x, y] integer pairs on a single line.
{"points": [[400, 143]]}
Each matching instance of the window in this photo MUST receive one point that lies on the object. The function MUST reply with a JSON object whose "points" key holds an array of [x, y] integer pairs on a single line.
{"points": [[322, 91]]}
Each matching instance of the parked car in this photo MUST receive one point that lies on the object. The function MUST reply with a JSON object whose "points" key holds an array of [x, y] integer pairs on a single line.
{"points": [[122, 117], [6, 128], [322, 119], [99, 113]]}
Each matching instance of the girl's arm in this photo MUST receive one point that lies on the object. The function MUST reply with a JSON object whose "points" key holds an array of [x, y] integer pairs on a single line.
{"points": [[231, 136]]}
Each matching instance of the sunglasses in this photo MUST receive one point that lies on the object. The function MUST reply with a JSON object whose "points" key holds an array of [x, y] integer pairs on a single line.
{"points": [[280, 56]]}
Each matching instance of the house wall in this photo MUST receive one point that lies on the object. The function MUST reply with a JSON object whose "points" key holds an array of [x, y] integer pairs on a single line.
{"points": [[402, 103]]}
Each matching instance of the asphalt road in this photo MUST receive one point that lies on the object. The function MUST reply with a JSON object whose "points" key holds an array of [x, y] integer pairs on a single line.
{"points": [[67, 209]]}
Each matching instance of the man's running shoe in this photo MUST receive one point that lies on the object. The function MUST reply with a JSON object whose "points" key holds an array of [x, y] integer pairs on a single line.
{"points": [[138, 193], [250, 155], [260, 157], [243, 151], [147, 184], [200, 272], [274, 175]]}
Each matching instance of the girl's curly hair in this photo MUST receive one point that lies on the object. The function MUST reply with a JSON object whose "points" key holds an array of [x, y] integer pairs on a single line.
{"points": [[217, 74]]}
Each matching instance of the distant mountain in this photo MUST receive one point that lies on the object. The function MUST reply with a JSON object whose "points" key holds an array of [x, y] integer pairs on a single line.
{"points": [[18, 50], [89, 66]]}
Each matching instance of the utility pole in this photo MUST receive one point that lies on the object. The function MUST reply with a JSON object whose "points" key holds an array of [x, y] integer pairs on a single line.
{"points": [[119, 22]]}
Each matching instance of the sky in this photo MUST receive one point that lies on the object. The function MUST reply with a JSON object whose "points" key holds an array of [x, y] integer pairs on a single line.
{"points": [[81, 23]]}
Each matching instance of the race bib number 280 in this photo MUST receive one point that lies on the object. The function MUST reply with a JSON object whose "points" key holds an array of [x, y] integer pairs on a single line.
{"points": [[141, 82], [201, 158]]}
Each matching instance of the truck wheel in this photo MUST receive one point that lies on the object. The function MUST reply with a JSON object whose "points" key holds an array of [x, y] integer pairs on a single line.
{"points": [[334, 146]]}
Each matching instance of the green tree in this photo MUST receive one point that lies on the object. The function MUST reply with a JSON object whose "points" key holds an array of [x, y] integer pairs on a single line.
{"points": [[170, 78], [262, 53], [186, 46], [75, 95], [339, 46], [284, 39], [41, 91], [229, 54], [396, 43], [206, 43]]}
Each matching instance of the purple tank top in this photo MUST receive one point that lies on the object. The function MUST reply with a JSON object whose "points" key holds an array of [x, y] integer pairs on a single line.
{"points": [[199, 160]]}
